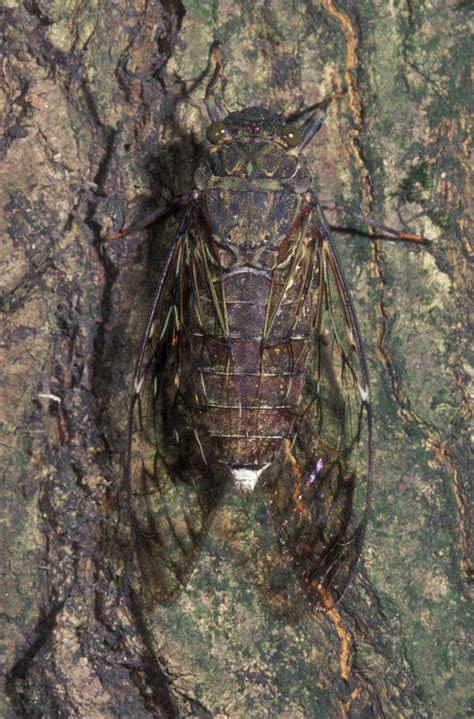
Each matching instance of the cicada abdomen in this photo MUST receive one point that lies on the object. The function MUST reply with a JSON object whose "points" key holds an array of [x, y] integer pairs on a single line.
{"points": [[251, 360]]}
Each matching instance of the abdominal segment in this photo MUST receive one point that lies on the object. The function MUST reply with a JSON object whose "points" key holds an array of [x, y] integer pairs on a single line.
{"points": [[248, 364]]}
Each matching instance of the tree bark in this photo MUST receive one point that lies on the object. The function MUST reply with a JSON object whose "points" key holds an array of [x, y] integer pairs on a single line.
{"points": [[104, 120]]}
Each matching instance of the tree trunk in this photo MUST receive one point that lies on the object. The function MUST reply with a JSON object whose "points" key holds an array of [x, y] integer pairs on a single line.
{"points": [[104, 120]]}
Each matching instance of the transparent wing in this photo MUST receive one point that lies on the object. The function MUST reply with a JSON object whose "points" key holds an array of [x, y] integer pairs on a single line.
{"points": [[172, 481], [319, 490]]}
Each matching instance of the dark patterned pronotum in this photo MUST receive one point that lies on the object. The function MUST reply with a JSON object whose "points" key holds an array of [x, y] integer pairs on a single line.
{"points": [[251, 366]]}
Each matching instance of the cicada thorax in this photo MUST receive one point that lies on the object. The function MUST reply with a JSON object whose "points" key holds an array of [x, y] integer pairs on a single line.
{"points": [[251, 307]]}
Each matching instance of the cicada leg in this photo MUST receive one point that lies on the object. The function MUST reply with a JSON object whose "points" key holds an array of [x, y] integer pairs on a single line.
{"points": [[215, 106], [372, 222], [158, 214]]}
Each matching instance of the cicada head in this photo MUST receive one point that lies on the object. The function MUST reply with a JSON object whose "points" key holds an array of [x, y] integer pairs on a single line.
{"points": [[257, 123], [264, 125]]}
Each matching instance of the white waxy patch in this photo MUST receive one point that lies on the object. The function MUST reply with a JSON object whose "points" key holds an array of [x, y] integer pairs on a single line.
{"points": [[52, 397], [246, 479], [139, 385], [364, 392]]}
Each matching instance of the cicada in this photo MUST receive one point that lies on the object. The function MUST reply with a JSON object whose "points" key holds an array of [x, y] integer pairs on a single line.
{"points": [[251, 367]]}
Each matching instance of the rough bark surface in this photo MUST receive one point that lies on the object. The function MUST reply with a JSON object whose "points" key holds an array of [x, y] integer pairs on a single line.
{"points": [[103, 117]]}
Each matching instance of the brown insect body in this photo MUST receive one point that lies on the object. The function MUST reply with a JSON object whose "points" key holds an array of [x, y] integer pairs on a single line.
{"points": [[251, 314]]}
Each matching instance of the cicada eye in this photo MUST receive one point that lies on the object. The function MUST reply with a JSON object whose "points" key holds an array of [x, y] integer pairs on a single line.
{"points": [[215, 132], [291, 135]]}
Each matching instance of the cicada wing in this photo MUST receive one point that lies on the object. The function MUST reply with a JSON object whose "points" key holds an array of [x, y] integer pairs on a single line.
{"points": [[319, 490], [172, 485]]}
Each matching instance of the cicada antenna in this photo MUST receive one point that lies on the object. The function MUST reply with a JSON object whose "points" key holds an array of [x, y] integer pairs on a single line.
{"points": [[316, 107], [283, 113], [315, 118]]}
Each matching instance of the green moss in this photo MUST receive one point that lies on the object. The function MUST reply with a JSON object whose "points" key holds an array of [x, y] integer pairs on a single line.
{"points": [[204, 11], [417, 184]]}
